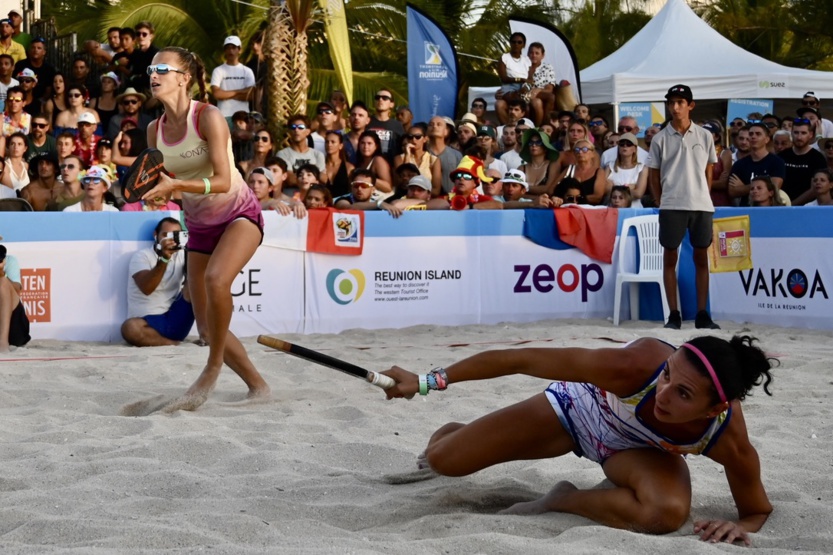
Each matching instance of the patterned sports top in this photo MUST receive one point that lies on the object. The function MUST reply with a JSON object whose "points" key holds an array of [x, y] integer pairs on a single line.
{"points": [[189, 159], [624, 416]]}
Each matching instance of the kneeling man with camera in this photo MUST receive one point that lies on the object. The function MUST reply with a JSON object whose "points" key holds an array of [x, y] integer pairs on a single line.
{"points": [[158, 306]]}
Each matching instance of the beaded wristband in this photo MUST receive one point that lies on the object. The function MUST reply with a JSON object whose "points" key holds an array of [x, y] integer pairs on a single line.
{"points": [[207, 185], [432, 382], [423, 385], [440, 378]]}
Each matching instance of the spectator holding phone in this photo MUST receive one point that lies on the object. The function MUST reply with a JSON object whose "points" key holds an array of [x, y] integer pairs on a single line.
{"points": [[158, 306]]}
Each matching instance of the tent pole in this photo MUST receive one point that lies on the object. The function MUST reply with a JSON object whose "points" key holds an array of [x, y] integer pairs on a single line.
{"points": [[615, 122]]}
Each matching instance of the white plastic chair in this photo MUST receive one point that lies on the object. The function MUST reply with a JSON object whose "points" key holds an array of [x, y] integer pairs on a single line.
{"points": [[650, 254]]}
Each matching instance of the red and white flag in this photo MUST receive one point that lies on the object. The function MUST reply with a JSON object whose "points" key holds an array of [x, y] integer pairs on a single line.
{"points": [[328, 231]]}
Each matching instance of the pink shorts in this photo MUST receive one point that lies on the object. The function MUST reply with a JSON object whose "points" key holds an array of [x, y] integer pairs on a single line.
{"points": [[205, 238]]}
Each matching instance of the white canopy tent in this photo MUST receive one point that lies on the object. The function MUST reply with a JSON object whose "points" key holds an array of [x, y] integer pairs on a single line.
{"points": [[676, 46]]}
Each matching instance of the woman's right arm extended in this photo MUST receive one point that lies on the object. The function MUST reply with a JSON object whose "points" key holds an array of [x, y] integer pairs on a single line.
{"points": [[618, 370]]}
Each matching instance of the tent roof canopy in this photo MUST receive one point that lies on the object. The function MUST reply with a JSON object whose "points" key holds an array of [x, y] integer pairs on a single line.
{"points": [[676, 46]]}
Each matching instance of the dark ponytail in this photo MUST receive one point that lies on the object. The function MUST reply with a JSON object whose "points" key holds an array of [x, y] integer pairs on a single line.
{"points": [[195, 68], [738, 363]]}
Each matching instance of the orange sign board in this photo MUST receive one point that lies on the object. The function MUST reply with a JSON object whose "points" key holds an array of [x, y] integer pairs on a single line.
{"points": [[36, 293]]}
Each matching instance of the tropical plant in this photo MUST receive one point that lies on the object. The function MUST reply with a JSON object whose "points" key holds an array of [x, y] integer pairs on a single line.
{"points": [[795, 33], [285, 44]]}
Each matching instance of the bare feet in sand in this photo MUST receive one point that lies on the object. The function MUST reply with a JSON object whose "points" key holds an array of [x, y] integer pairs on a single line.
{"points": [[545, 504]]}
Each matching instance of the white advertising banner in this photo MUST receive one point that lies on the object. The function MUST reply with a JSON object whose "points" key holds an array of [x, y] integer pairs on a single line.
{"points": [[268, 295], [788, 286], [75, 290], [397, 282], [524, 282]]}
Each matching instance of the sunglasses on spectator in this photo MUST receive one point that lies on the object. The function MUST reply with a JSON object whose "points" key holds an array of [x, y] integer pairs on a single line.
{"points": [[40, 125], [828, 146], [129, 102], [572, 198], [362, 184], [75, 95], [800, 121], [624, 143], [16, 99], [262, 138], [144, 34], [625, 129], [326, 111], [27, 80], [294, 126], [414, 137], [163, 69], [382, 97], [461, 175], [595, 123], [536, 142], [738, 124], [67, 166], [94, 180], [809, 102], [753, 121], [582, 149], [770, 125]]}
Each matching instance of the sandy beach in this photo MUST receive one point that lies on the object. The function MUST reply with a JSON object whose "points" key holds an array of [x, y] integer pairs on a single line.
{"points": [[329, 466]]}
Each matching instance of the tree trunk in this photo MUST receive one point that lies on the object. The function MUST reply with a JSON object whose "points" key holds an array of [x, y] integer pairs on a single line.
{"points": [[288, 81]]}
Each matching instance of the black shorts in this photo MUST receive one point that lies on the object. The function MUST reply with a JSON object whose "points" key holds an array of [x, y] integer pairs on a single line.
{"points": [[674, 223], [19, 330]]}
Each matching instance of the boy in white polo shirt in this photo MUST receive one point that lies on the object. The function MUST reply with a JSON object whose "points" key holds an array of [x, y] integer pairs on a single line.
{"points": [[232, 82]]}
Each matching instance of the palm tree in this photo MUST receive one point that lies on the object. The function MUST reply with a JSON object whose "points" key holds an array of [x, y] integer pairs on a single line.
{"points": [[285, 44]]}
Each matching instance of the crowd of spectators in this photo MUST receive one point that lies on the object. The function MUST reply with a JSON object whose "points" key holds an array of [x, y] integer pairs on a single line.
{"points": [[65, 134]]}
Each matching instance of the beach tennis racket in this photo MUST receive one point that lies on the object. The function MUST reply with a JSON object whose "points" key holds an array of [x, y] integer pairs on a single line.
{"points": [[142, 175], [379, 380]]}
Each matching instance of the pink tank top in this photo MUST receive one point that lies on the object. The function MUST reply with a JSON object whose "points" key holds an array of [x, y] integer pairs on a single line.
{"points": [[189, 159]]}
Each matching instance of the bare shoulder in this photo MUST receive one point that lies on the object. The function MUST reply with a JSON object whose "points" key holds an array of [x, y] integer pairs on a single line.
{"points": [[733, 445]]}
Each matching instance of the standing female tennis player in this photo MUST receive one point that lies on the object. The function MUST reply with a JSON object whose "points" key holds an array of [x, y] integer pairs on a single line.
{"points": [[635, 410], [221, 213]]}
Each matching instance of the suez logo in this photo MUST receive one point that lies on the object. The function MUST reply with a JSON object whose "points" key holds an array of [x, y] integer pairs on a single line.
{"points": [[568, 278], [345, 286], [772, 85], [794, 284]]}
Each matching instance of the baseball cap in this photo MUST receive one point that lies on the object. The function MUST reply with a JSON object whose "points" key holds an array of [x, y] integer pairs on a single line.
{"points": [[96, 172], [87, 117], [630, 137], [5, 20], [709, 126], [15, 12], [111, 75], [811, 94], [680, 91], [526, 122], [449, 121], [233, 39], [486, 130], [469, 125], [325, 105], [104, 142], [27, 74], [267, 173], [420, 181], [516, 176]]}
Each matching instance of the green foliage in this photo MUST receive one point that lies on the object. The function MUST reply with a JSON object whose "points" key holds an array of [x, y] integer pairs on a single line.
{"points": [[794, 33]]}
